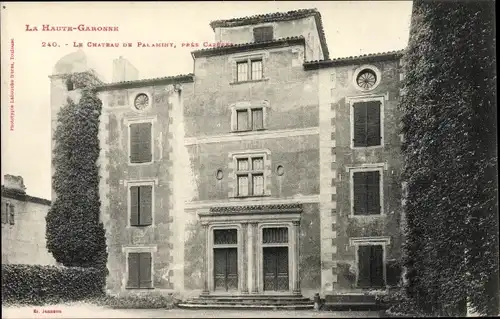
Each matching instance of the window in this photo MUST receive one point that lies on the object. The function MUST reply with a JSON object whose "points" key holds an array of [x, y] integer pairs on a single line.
{"points": [[366, 126], [366, 192], [262, 34], [371, 266], [11, 214], [139, 270], [250, 119], [366, 78], [141, 142], [250, 176], [249, 70], [141, 200], [5, 213]]}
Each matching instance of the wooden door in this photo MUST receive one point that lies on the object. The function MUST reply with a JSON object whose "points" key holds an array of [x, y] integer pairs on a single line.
{"points": [[225, 269], [276, 269]]}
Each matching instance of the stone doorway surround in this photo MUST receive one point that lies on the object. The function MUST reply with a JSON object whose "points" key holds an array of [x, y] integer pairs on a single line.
{"points": [[249, 222]]}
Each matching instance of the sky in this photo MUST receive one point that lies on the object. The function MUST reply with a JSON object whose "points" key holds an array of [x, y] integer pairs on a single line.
{"points": [[351, 28]]}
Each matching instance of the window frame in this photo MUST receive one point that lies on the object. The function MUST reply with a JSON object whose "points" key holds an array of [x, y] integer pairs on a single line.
{"points": [[353, 100], [361, 69], [129, 184], [250, 173], [383, 241], [265, 172], [367, 168], [152, 249], [248, 61], [132, 121], [248, 107]]}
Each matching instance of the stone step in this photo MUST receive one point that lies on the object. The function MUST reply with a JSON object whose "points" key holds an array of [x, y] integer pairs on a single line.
{"points": [[244, 306], [351, 302], [253, 299], [250, 302]]}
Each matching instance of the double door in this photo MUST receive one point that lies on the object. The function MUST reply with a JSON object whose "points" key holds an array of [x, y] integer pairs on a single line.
{"points": [[225, 269], [275, 268]]}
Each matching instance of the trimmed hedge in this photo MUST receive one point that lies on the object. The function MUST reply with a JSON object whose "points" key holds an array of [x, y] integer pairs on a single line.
{"points": [[141, 301], [449, 112], [38, 284]]}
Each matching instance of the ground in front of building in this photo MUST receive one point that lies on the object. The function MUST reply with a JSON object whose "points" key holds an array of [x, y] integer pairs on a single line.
{"points": [[92, 311]]}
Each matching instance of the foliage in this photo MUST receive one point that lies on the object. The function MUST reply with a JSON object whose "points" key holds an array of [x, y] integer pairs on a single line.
{"points": [[450, 160], [75, 235], [38, 285], [141, 301]]}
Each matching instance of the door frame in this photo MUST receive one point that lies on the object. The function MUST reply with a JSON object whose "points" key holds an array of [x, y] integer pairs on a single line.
{"points": [[276, 274], [210, 253], [291, 256]]}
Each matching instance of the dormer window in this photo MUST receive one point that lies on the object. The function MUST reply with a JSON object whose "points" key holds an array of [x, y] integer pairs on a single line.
{"points": [[262, 34]]}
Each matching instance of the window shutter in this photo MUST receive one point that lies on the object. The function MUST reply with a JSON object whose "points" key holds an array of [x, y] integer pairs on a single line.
{"points": [[377, 266], [374, 136], [373, 192], [364, 254], [5, 213], [360, 124], [360, 203], [140, 142], [257, 119], [263, 34], [12, 214], [145, 270], [242, 120], [146, 200], [134, 206], [133, 270]]}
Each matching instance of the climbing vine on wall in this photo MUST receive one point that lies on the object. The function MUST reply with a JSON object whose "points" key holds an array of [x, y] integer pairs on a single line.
{"points": [[75, 235]]}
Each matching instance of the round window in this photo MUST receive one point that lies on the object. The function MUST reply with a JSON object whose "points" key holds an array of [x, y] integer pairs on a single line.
{"points": [[219, 174], [141, 101], [366, 79], [280, 170]]}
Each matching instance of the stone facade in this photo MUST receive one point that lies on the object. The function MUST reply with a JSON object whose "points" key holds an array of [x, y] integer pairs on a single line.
{"points": [[23, 225], [257, 107]]}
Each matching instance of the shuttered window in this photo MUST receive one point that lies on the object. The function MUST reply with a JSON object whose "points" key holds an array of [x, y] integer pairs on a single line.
{"points": [[140, 142], [139, 270], [366, 193], [5, 213], [242, 71], [256, 69], [11, 214], [257, 119], [261, 34], [141, 200], [371, 269], [242, 120], [367, 124]]}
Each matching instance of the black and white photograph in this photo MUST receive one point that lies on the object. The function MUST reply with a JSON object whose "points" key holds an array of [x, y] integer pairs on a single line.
{"points": [[249, 159]]}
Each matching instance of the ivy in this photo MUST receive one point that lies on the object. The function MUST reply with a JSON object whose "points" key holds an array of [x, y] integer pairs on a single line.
{"points": [[450, 160], [75, 235]]}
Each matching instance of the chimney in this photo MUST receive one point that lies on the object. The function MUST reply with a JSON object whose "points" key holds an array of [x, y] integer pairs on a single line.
{"points": [[123, 70], [14, 183]]}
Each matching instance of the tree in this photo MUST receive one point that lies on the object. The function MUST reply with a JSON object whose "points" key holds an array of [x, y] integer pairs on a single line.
{"points": [[450, 160], [75, 235]]}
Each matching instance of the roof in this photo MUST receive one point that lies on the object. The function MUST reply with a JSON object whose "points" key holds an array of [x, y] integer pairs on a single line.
{"points": [[275, 17], [372, 57], [182, 78], [248, 46], [21, 196]]}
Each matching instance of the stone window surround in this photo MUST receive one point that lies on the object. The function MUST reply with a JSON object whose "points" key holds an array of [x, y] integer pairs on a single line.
{"points": [[241, 57], [248, 105], [143, 182], [234, 156], [380, 167], [364, 67], [139, 249], [135, 120], [384, 241], [350, 101], [250, 233]]}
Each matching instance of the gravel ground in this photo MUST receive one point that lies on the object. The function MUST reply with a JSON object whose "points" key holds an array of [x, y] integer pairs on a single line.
{"points": [[92, 311]]}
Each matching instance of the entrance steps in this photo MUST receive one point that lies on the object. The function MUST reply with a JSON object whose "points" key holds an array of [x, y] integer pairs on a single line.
{"points": [[289, 302]]}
